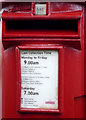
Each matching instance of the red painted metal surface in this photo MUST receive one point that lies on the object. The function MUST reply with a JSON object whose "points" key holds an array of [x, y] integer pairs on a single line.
{"points": [[0, 76], [71, 69]]}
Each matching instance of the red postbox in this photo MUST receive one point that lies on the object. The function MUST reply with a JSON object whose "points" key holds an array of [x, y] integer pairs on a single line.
{"points": [[43, 60]]}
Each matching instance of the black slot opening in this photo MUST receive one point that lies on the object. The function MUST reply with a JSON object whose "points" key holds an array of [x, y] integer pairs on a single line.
{"points": [[64, 25]]}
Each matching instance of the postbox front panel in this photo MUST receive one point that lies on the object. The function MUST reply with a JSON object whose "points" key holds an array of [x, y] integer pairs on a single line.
{"points": [[43, 61]]}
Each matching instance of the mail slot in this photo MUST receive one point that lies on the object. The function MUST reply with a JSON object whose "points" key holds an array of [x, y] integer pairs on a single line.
{"points": [[43, 28], [43, 60]]}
